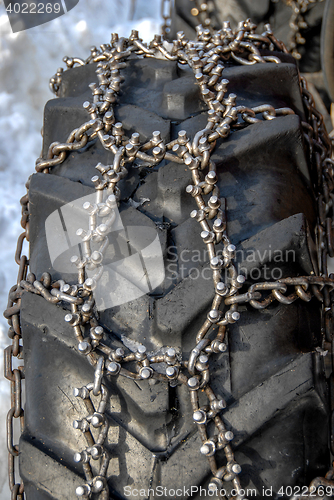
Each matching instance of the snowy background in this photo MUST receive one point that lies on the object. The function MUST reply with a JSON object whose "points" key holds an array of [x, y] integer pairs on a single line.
{"points": [[27, 60]]}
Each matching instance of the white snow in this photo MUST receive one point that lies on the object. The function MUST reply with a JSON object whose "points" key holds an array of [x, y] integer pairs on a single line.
{"points": [[27, 60]]}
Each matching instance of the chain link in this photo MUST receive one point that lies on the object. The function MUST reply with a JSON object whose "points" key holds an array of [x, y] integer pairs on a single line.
{"points": [[205, 56], [15, 350], [205, 13], [297, 22], [320, 151], [166, 14]]}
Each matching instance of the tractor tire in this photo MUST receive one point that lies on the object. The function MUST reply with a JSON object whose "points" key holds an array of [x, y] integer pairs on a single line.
{"points": [[272, 376]]}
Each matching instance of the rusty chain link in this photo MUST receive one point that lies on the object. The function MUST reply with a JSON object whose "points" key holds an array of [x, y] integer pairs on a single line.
{"points": [[321, 159], [16, 375], [205, 56]]}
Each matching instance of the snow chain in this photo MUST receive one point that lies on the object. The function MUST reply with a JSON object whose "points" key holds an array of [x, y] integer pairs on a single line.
{"points": [[205, 13], [205, 56]]}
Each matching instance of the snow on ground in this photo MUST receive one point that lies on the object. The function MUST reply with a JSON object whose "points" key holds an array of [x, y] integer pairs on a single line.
{"points": [[27, 60]]}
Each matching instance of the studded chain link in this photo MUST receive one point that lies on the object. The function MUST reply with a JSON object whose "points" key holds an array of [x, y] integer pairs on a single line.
{"points": [[205, 56], [297, 22], [205, 13]]}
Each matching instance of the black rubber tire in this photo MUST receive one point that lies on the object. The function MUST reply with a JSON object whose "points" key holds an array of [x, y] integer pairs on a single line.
{"points": [[271, 376], [277, 14]]}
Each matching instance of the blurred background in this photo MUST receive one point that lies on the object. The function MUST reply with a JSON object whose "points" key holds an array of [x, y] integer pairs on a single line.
{"points": [[27, 60]]}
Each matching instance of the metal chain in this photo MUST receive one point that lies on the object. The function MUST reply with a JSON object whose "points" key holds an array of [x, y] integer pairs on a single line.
{"points": [[297, 22], [95, 449], [203, 350], [16, 375], [321, 158], [166, 14], [205, 56], [205, 13]]}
